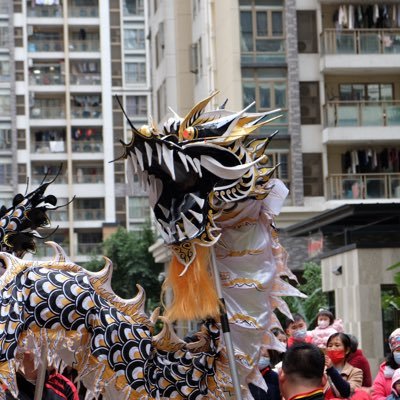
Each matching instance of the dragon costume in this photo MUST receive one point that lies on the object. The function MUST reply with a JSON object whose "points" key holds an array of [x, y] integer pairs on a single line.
{"points": [[209, 186]]}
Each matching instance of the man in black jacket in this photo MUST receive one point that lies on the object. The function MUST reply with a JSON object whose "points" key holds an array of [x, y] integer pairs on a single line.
{"points": [[302, 373]]}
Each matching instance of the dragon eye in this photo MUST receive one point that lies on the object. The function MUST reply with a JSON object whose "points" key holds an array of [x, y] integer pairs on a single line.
{"points": [[188, 133]]}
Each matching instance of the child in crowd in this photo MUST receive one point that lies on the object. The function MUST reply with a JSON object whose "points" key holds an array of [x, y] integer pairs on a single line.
{"points": [[395, 395], [296, 329], [326, 326]]}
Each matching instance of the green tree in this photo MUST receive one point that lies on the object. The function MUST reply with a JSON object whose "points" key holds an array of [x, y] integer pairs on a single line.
{"points": [[392, 300], [132, 264], [311, 285]]}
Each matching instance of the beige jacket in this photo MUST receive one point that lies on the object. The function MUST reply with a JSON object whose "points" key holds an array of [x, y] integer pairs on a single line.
{"points": [[350, 374]]}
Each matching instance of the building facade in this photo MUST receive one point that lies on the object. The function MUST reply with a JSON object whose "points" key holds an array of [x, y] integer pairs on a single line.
{"points": [[330, 66], [62, 64]]}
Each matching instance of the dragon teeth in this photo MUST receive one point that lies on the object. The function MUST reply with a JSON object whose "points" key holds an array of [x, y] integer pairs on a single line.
{"points": [[190, 229], [149, 152], [197, 215], [134, 162], [163, 223], [139, 156], [180, 233], [197, 199], [198, 166], [184, 161], [159, 153], [168, 156], [191, 163], [164, 210]]}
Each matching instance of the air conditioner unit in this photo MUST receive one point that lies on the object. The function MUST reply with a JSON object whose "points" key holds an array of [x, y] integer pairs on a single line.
{"points": [[305, 46], [194, 59]]}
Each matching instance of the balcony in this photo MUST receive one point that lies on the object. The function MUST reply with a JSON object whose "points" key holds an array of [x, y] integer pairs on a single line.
{"points": [[362, 113], [89, 178], [41, 78], [84, 146], [84, 45], [86, 249], [45, 45], [348, 49], [83, 11], [89, 214], [45, 11], [363, 186], [38, 112], [38, 178], [51, 146], [86, 112], [358, 120], [85, 79]]}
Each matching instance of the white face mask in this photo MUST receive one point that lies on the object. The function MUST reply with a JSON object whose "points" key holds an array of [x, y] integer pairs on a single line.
{"points": [[263, 362], [323, 324], [396, 356]]}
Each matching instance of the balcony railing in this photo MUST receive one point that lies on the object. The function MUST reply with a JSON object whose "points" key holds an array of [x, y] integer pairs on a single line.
{"points": [[89, 214], [46, 79], [59, 215], [86, 249], [85, 79], [84, 45], [362, 113], [45, 11], [360, 41], [61, 179], [46, 45], [89, 178], [83, 12], [93, 146], [52, 146], [38, 112], [87, 112], [363, 186]]}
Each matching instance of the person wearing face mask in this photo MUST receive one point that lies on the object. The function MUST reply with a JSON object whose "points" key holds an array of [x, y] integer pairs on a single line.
{"points": [[382, 385], [296, 329], [270, 378], [326, 326], [343, 379]]}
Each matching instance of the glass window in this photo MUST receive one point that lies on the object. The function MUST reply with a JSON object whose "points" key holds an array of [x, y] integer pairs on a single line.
{"points": [[4, 36], [277, 23], [262, 23], [246, 28], [135, 72], [307, 36], [134, 39], [133, 7], [312, 174], [5, 173], [366, 92], [5, 139], [136, 106], [4, 70], [160, 45], [309, 103], [5, 105], [139, 207]]}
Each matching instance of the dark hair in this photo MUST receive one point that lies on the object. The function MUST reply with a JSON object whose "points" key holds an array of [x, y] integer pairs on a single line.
{"points": [[295, 318], [277, 331], [390, 361], [344, 338], [304, 361], [326, 313], [353, 343]]}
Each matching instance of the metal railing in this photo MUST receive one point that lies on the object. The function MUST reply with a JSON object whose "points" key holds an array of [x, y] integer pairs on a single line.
{"points": [[87, 249], [362, 113], [83, 12], [86, 112], [85, 79], [363, 186], [49, 146], [46, 78], [61, 179], [39, 112], [89, 178], [83, 146], [360, 41], [45, 11], [45, 45], [89, 214], [84, 45]]}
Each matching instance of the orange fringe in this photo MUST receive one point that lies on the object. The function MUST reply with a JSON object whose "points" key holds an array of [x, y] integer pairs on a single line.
{"points": [[193, 294]]}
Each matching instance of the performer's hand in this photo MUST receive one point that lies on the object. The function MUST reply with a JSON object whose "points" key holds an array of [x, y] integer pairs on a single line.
{"points": [[328, 362]]}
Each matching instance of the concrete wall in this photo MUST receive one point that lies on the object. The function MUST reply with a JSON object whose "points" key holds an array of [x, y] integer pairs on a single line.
{"points": [[358, 294]]}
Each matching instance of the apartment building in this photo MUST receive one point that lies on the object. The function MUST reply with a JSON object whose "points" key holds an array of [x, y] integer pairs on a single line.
{"points": [[332, 67], [61, 64]]}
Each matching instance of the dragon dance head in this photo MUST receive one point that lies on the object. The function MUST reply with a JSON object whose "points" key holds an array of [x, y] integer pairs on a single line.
{"points": [[196, 167]]}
